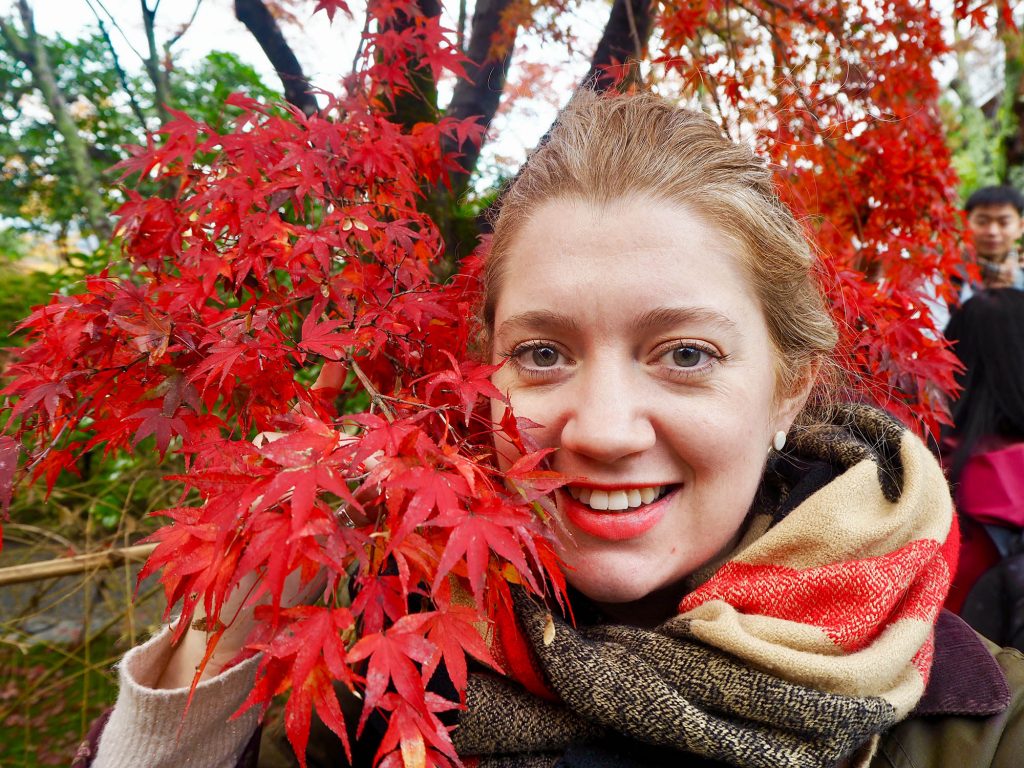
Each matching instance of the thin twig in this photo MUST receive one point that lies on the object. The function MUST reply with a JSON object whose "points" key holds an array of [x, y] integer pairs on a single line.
{"points": [[121, 75], [36, 691], [116, 25], [184, 29], [375, 396], [65, 566], [633, 32], [37, 531], [362, 40]]}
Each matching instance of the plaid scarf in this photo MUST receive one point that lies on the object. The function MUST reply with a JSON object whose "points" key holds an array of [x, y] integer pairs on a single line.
{"points": [[809, 641]]}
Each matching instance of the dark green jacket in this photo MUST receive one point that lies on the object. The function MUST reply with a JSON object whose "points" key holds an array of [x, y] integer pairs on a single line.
{"points": [[972, 715]]}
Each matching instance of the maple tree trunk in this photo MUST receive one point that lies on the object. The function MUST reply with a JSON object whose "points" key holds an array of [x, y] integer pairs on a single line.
{"points": [[31, 50], [155, 70], [419, 106], [624, 40], [264, 27], [480, 95]]}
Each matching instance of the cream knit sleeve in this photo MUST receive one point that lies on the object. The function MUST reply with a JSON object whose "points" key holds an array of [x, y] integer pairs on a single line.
{"points": [[146, 726]]}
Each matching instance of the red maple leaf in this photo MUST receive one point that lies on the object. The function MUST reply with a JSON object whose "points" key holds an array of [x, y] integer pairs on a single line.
{"points": [[467, 382], [331, 7], [310, 655], [455, 633], [420, 737], [394, 658], [491, 526], [10, 449]]}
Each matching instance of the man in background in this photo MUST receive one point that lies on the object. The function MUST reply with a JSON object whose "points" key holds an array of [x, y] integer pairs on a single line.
{"points": [[995, 218]]}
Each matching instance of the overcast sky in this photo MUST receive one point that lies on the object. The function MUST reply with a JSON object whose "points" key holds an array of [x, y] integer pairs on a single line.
{"points": [[324, 50]]}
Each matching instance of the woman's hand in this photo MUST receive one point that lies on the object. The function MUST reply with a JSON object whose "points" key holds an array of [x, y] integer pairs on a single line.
{"points": [[239, 618], [240, 621]]}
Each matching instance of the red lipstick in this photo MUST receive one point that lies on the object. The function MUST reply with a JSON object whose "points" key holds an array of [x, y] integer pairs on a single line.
{"points": [[614, 526]]}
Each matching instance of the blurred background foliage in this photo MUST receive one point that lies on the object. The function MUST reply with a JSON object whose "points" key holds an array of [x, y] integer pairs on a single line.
{"points": [[985, 116]]}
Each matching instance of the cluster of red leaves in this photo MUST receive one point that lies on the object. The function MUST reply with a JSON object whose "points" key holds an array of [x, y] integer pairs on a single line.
{"points": [[844, 100], [282, 243]]}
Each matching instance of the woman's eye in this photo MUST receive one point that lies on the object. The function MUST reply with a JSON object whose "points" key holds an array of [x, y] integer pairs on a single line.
{"points": [[537, 358], [544, 361], [688, 356], [543, 357]]}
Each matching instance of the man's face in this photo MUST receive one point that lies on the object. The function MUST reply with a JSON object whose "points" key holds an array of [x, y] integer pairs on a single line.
{"points": [[996, 230]]}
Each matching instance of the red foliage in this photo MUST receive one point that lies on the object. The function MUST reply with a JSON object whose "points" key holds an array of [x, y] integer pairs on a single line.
{"points": [[845, 101], [289, 240]]}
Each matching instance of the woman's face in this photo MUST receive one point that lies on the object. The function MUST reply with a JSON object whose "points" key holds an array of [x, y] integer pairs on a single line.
{"points": [[632, 336]]}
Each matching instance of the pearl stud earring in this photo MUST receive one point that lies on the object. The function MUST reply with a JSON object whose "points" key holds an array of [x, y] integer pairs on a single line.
{"points": [[780, 440]]}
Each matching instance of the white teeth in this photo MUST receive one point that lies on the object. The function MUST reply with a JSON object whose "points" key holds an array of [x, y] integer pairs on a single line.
{"points": [[616, 501]]}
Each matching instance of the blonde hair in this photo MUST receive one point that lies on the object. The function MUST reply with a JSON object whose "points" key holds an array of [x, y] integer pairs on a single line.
{"points": [[604, 148]]}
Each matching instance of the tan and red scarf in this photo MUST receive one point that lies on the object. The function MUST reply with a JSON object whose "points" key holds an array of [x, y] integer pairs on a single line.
{"points": [[810, 640]]}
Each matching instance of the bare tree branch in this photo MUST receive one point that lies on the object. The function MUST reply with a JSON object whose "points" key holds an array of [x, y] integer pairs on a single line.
{"points": [[461, 26], [113, 20], [264, 27], [153, 64], [625, 39], [188, 24], [362, 39], [17, 46], [66, 566], [121, 75]]}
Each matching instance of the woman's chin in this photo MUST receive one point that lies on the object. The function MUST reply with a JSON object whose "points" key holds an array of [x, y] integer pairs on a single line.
{"points": [[630, 598], [607, 588]]}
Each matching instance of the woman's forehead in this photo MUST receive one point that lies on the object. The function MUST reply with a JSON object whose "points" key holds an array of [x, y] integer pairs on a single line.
{"points": [[650, 256]]}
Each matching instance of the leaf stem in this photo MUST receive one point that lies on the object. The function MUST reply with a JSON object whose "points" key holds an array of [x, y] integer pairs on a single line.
{"points": [[376, 397]]}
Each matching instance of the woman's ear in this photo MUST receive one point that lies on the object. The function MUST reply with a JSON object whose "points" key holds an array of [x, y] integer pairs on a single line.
{"points": [[792, 401]]}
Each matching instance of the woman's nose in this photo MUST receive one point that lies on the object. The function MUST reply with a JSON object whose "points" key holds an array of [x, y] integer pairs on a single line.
{"points": [[608, 418]]}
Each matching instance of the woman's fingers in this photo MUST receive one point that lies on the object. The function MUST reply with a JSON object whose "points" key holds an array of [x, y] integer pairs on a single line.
{"points": [[332, 376]]}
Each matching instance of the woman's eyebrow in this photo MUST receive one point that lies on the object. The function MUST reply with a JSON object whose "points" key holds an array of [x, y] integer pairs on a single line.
{"points": [[539, 320], [670, 317]]}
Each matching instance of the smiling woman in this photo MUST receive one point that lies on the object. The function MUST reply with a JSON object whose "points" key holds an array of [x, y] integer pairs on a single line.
{"points": [[671, 391], [757, 570]]}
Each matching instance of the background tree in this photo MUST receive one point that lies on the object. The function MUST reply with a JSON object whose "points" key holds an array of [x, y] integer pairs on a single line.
{"points": [[68, 109], [290, 244], [986, 124]]}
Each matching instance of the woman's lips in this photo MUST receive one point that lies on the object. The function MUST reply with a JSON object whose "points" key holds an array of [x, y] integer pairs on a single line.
{"points": [[615, 525]]}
